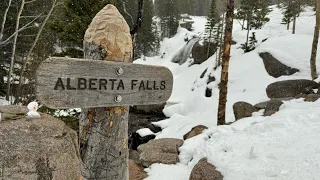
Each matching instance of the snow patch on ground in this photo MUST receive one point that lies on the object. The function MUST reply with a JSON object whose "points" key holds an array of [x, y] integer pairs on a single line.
{"points": [[144, 132]]}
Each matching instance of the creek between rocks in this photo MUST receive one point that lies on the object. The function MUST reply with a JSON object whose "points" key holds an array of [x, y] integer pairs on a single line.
{"points": [[141, 119]]}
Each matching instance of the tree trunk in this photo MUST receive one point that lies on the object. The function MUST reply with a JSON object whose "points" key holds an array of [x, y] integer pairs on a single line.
{"points": [[294, 24], [225, 64], [288, 25], [218, 44], [25, 62], [248, 32], [209, 40], [313, 66], [103, 134], [14, 50], [242, 26], [221, 40], [4, 20]]}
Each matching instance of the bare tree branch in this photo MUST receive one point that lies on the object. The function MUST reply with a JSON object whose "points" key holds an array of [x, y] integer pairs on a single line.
{"points": [[4, 20], [27, 2], [127, 13], [14, 49], [19, 30], [32, 16], [54, 4]]}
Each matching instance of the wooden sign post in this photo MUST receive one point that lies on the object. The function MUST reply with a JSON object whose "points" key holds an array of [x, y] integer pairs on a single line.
{"points": [[69, 83], [104, 90]]}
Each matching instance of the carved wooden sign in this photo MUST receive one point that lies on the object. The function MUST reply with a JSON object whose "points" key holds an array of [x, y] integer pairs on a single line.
{"points": [[70, 83]]}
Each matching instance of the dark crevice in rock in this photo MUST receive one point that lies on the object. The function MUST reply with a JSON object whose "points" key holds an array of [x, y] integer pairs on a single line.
{"points": [[44, 171], [204, 72], [208, 92], [211, 79], [136, 140]]}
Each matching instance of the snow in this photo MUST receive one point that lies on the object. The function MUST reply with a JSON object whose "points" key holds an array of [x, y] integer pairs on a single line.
{"points": [[3, 102], [144, 132], [283, 146]]}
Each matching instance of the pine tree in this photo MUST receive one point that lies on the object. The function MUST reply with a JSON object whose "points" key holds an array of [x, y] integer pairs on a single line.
{"points": [[291, 10], [287, 17], [212, 21], [147, 42], [185, 6], [71, 23], [167, 11], [254, 12], [199, 7], [251, 44]]}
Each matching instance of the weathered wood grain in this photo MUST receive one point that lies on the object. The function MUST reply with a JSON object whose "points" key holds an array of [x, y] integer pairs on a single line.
{"points": [[103, 131], [100, 83]]}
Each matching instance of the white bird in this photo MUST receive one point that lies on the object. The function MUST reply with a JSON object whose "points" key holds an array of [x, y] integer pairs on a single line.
{"points": [[33, 114]]}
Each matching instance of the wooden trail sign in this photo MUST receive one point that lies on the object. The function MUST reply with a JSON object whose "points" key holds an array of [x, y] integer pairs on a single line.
{"points": [[69, 83]]}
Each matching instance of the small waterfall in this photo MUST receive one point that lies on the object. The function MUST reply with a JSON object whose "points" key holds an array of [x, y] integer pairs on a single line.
{"points": [[184, 53]]}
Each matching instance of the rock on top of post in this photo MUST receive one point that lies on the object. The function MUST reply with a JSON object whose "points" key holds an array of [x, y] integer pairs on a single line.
{"points": [[110, 31]]}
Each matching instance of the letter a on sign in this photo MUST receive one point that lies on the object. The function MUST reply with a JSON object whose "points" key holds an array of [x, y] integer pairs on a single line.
{"points": [[71, 83]]}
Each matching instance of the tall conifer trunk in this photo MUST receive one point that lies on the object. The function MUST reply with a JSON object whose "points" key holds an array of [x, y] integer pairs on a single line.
{"points": [[315, 44], [225, 64]]}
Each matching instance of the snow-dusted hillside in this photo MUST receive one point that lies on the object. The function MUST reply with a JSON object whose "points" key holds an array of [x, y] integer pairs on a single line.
{"points": [[283, 146]]}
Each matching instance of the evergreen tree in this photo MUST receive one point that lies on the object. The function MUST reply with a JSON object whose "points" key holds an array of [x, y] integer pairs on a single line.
{"points": [[251, 45], [185, 6], [147, 42], [167, 11], [212, 21], [254, 12], [71, 23], [199, 7], [129, 10]]}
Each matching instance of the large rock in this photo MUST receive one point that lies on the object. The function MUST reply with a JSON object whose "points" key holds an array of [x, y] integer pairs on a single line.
{"points": [[205, 171], [195, 131], [200, 52], [37, 149], [272, 107], [163, 151], [262, 105], [134, 156], [136, 172], [243, 110], [187, 25], [274, 67], [312, 97], [291, 88]]}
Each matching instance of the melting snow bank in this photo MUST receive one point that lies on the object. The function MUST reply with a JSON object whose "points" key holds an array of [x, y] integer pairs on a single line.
{"points": [[282, 146]]}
